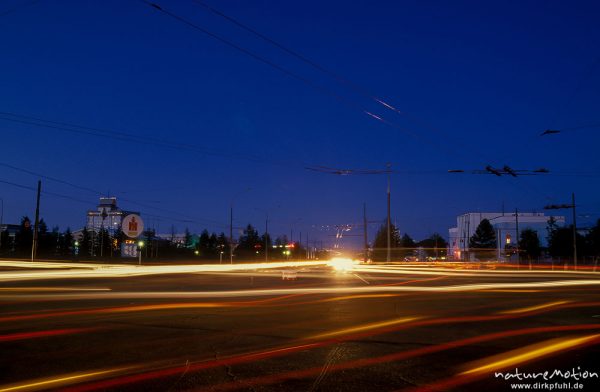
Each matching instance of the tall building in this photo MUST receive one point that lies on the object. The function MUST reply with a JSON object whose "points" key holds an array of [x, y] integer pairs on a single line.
{"points": [[505, 226], [106, 216]]}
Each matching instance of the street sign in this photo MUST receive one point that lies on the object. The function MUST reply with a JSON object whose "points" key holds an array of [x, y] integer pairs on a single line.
{"points": [[132, 226]]}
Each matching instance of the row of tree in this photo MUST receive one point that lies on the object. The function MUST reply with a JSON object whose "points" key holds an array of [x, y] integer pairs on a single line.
{"points": [[560, 242], [104, 244], [405, 248]]}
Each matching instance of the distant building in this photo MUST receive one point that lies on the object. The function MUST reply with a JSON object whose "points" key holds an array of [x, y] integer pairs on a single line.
{"points": [[107, 215], [11, 233], [505, 226]]}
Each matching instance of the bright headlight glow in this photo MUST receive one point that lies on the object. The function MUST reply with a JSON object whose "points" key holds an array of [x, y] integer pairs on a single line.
{"points": [[341, 264]]}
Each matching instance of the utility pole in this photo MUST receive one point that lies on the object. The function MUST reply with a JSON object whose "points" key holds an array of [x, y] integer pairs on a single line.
{"points": [[517, 239], [574, 230], [231, 234], [366, 258], [307, 248], [37, 222], [389, 224]]}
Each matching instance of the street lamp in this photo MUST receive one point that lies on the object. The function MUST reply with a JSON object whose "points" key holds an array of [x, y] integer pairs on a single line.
{"points": [[564, 206], [140, 246]]}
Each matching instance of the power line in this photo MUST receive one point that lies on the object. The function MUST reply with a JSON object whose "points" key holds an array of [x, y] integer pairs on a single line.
{"points": [[17, 7], [123, 136], [346, 101], [357, 88], [194, 219]]}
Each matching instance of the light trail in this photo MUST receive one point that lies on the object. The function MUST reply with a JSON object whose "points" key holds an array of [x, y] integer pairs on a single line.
{"points": [[43, 289], [528, 353], [363, 328], [63, 380], [43, 334], [534, 308], [363, 362], [513, 358], [70, 271], [316, 290], [283, 351], [57, 270]]}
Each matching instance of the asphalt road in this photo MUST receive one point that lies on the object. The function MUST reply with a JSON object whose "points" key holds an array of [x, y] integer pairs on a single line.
{"points": [[373, 328]]}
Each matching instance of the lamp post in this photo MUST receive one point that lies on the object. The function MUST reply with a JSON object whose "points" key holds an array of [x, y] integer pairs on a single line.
{"points": [[140, 246], [389, 219]]}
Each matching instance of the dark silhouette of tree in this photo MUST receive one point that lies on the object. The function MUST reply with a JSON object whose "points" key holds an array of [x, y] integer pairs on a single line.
{"points": [[380, 244], [85, 245], [434, 246], [66, 243], [249, 243], [483, 239], [593, 240], [24, 238], [560, 243], [529, 244]]}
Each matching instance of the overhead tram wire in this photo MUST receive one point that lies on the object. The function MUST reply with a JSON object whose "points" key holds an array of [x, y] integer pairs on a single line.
{"points": [[335, 76], [128, 137], [17, 7], [344, 100], [98, 193], [71, 198], [355, 87]]}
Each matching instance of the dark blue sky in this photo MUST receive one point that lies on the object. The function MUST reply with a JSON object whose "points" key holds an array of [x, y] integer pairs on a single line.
{"points": [[478, 80]]}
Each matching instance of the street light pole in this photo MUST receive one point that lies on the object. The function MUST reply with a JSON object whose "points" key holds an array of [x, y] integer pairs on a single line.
{"points": [[231, 234], [574, 230], [37, 222], [389, 224]]}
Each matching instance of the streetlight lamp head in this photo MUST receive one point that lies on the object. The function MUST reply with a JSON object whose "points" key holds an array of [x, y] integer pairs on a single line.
{"points": [[141, 244]]}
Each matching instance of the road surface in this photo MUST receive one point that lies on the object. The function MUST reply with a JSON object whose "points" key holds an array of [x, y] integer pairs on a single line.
{"points": [[450, 326]]}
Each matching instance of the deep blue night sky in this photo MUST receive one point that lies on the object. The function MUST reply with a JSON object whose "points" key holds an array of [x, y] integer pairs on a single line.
{"points": [[479, 81]]}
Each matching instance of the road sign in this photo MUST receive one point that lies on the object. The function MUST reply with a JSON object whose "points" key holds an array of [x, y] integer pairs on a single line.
{"points": [[132, 226]]}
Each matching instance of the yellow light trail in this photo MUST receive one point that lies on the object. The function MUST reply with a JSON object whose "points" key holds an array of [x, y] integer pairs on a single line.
{"points": [[68, 271], [364, 327], [34, 289], [535, 307], [63, 380], [528, 353], [316, 290]]}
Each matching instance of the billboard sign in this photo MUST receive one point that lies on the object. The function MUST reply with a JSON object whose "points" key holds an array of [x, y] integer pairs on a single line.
{"points": [[132, 226]]}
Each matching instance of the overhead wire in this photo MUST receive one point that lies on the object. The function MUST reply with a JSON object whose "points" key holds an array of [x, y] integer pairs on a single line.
{"points": [[344, 100], [143, 205]]}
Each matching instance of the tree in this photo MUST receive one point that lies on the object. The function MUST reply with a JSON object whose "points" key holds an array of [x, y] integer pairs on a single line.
{"points": [[380, 243], [85, 245], [560, 242], [593, 240], [434, 246], [66, 243], [529, 244], [24, 237], [250, 242], [188, 239], [483, 239]]}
